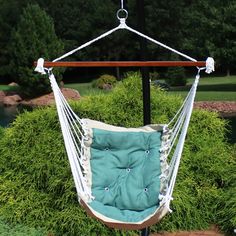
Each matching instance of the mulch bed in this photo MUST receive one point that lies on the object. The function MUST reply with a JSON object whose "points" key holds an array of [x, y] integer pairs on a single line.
{"points": [[8, 98], [48, 99], [213, 231], [224, 108]]}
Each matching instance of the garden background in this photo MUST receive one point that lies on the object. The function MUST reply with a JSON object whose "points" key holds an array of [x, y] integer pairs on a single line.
{"points": [[37, 195]]}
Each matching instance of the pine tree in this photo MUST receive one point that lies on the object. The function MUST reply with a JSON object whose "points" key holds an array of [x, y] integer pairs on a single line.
{"points": [[34, 37]]}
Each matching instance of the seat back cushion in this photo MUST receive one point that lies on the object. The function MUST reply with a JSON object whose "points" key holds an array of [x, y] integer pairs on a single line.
{"points": [[125, 173]]}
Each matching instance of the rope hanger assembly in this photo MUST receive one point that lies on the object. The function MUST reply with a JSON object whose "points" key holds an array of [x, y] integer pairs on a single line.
{"points": [[122, 15]]}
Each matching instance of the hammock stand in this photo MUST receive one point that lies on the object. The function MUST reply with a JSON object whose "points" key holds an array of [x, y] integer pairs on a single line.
{"points": [[92, 146]]}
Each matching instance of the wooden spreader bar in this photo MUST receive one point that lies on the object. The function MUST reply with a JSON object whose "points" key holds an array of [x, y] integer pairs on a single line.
{"points": [[122, 63]]}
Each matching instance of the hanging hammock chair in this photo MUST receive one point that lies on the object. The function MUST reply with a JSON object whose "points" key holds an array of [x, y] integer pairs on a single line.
{"points": [[124, 176]]}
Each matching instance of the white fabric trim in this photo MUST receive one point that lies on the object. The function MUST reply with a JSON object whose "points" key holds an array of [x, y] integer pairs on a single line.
{"points": [[90, 124], [162, 209]]}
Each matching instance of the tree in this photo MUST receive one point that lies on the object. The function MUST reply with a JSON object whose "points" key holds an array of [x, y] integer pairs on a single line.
{"points": [[223, 34], [210, 31], [175, 76], [34, 37], [9, 14]]}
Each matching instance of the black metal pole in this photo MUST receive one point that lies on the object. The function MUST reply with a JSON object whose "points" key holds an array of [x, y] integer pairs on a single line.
{"points": [[145, 78], [145, 232], [144, 70]]}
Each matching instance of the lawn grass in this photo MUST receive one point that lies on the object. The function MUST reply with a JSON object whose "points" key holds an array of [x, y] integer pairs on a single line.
{"points": [[210, 95], [211, 89], [209, 80], [4, 87], [85, 88]]}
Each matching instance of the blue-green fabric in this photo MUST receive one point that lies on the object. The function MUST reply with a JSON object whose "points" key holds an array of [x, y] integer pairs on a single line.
{"points": [[125, 173]]}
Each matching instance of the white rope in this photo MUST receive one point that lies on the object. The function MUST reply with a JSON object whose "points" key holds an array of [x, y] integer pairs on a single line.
{"points": [[179, 149], [87, 44], [67, 105], [121, 4], [180, 109], [122, 25], [71, 122], [68, 135], [175, 134], [76, 172], [73, 128], [160, 44], [76, 120]]}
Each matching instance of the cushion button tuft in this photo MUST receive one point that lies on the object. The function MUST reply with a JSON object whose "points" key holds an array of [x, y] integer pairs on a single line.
{"points": [[106, 149], [128, 169], [106, 189], [146, 189], [147, 151]]}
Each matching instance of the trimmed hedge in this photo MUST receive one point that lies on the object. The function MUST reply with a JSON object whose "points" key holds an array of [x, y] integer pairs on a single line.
{"points": [[105, 82], [36, 186]]}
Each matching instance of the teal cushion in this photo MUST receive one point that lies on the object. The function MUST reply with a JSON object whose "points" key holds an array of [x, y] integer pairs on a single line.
{"points": [[125, 174]]}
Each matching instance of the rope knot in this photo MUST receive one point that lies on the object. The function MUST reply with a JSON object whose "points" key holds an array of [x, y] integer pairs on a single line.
{"points": [[210, 65], [40, 66]]}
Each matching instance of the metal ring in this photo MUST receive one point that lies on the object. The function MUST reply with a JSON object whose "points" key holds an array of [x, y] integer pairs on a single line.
{"points": [[122, 11]]}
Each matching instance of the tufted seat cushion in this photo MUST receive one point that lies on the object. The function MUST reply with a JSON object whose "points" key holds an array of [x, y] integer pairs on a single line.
{"points": [[125, 168]]}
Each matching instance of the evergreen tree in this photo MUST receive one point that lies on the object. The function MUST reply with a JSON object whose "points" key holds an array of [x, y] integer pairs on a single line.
{"points": [[9, 14], [222, 43], [34, 37], [210, 31]]}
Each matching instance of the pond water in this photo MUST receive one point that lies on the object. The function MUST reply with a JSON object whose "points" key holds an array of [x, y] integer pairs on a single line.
{"points": [[8, 114]]}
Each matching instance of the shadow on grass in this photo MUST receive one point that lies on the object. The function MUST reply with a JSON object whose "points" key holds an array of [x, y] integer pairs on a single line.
{"points": [[214, 87]]}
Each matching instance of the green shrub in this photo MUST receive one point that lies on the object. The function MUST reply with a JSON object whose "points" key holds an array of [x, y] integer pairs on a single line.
{"points": [[105, 82], [226, 216], [19, 230], [36, 186], [1, 131]]}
